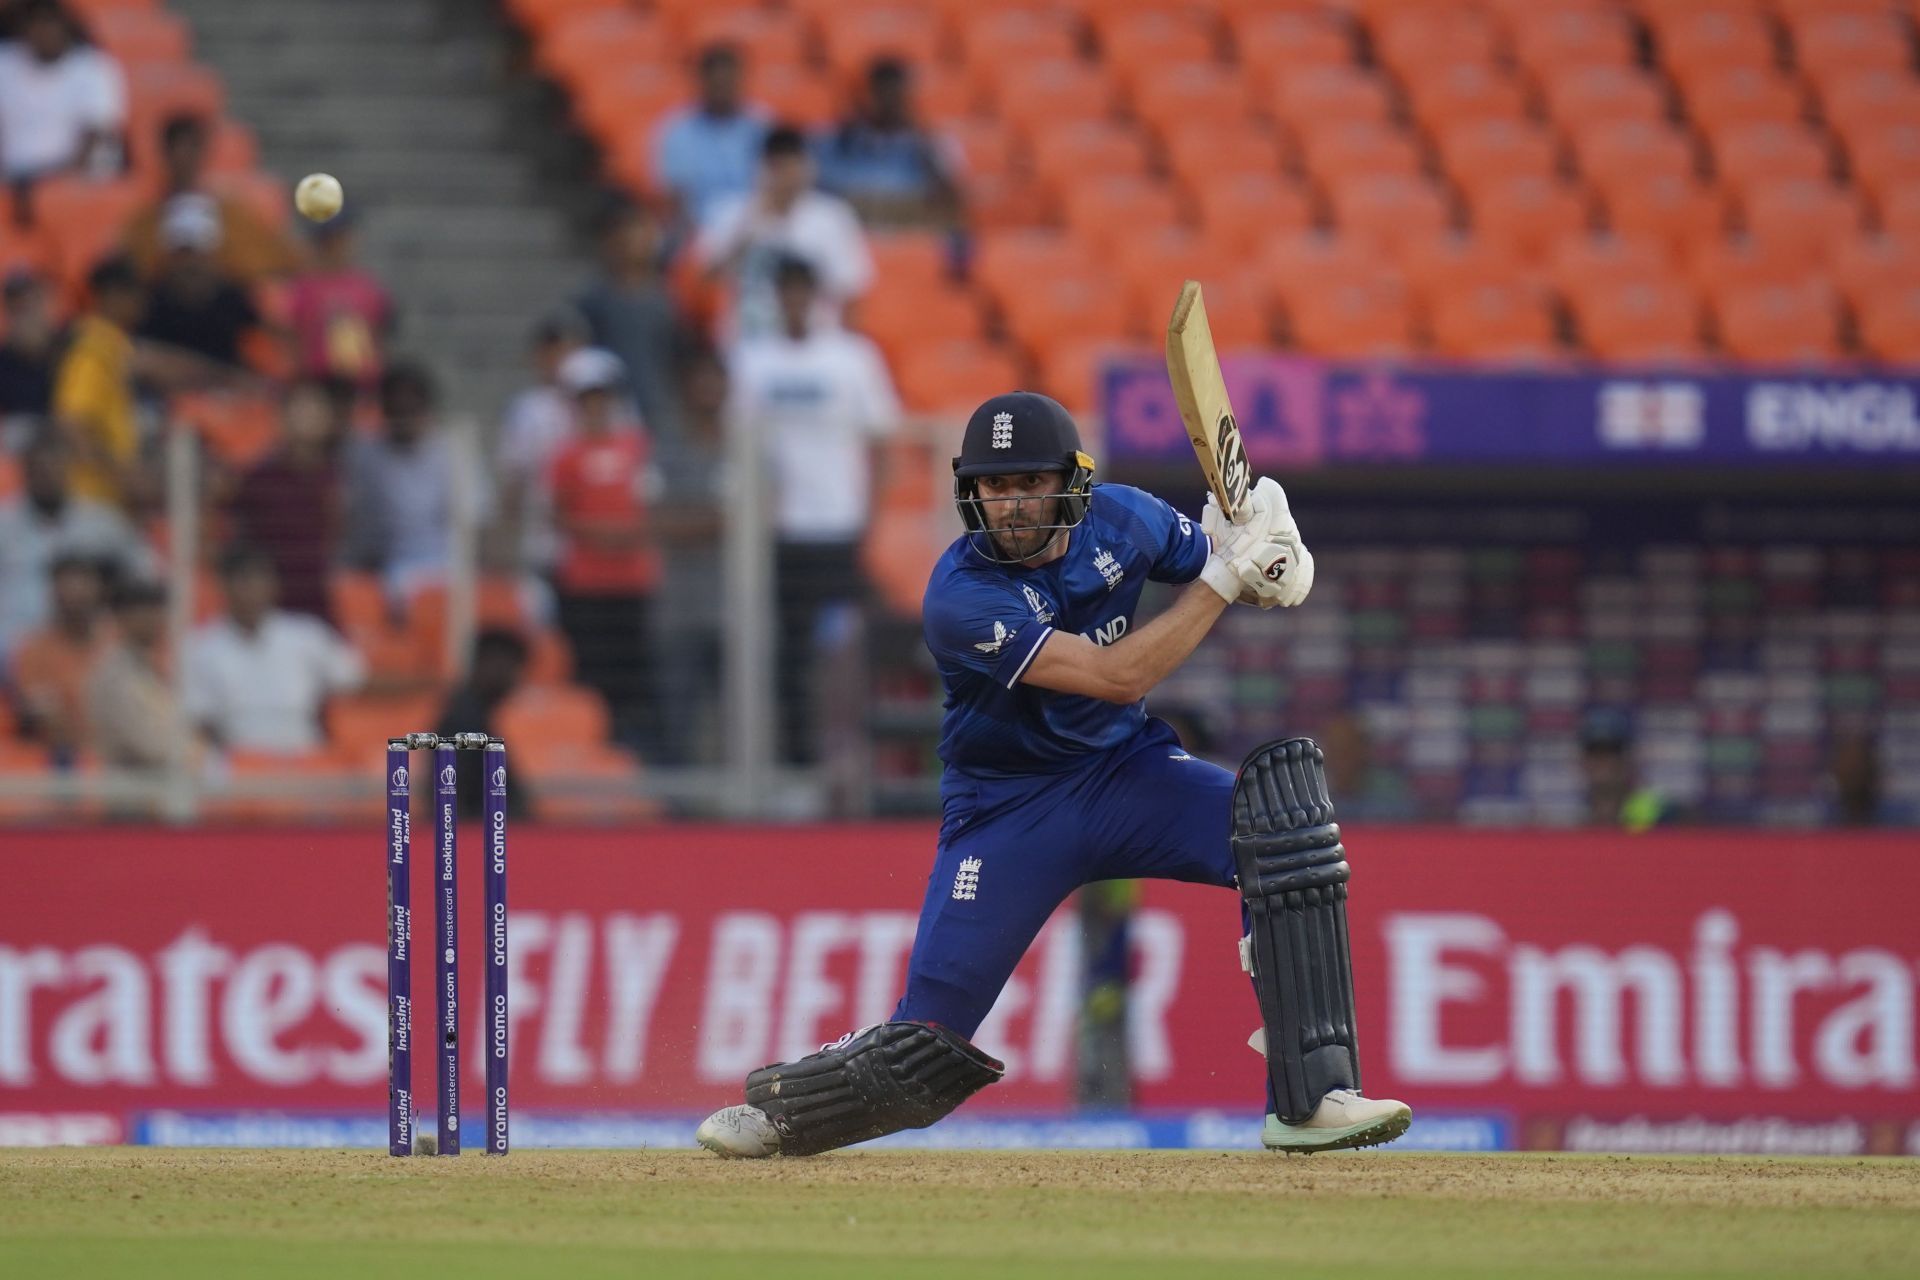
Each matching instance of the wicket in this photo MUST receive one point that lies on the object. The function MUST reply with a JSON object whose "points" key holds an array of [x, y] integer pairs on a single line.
{"points": [[400, 1102]]}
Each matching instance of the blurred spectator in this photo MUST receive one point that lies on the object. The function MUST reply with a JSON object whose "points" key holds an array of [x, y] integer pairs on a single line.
{"points": [[689, 520], [705, 153], [883, 162], [819, 397], [498, 667], [1361, 790], [1614, 798], [250, 249], [63, 103], [538, 421], [93, 390], [631, 313], [46, 522], [31, 348], [402, 486], [289, 503], [341, 314], [134, 719], [193, 304], [785, 217], [52, 665], [1855, 770], [603, 483], [258, 678]]}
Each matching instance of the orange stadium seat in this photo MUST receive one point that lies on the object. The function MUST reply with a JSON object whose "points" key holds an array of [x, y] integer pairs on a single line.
{"points": [[901, 315], [1450, 93], [1729, 96], [1778, 324], [1308, 262], [1340, 149], [584, 46], [1690, 42], [234, 148], [160, 89], [1800, 216], [1889, 323], [564, 716], [1456, 261], [941, 92], [1237, 211], [763, 36], [621, 111], [1408, 39], [1316, 97], [1529, 214], [1171, 94], [1743, 154], [1886, 157], [1865, 265], [1492, 319], [141, 34], [1051, 309], [240, 429], [1273, 45], [1866, 102], [987, 147], [1133, 43], [359, 724], [1849, 43], [1583, 96], [1639, 320], [1017, 36], [1741, 262], [1613, 151], [1074, 150], [1073, 369], [909, 257], [1356, 319], [908, 32], [947, 378], [798, 94], [84, 219], [1550, 41], [1495, 148], [1104, 211], [1201, 151], [1899, 209], [1676, 211], [537, 17], [1039, 93], [1160, 258], [1006, 201], [1577, 264], [1385, 209]]}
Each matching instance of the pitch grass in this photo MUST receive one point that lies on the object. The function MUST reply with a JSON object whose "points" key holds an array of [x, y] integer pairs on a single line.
{"points": [[363, 1216]]}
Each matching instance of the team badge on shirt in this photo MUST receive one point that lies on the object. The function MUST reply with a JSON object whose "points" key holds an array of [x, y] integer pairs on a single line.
{"points": [[1109, 567], [1000, 637]]}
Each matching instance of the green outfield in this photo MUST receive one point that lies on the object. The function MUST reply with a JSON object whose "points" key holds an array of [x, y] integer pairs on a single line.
{"points": [[359, 1216]]}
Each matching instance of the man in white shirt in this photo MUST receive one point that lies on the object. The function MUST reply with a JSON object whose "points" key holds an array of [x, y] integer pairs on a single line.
{"points": [[818, 398], [258, 678], [62, 103], [46, 522], [785, 217], [538, 420]]}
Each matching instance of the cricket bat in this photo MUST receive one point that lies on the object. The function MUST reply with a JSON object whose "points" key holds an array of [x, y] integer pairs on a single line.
{"points": [[1194, 369]]}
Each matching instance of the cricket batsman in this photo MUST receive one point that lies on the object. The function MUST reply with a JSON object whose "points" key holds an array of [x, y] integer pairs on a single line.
{"points": [[1055, 776]]}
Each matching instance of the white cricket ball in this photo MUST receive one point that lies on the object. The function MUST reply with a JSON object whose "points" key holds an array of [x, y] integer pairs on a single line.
{"points": [[318, 196]]}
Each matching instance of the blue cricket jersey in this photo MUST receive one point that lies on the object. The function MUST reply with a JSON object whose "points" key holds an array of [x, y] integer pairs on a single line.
{"points": [[985, 622]]}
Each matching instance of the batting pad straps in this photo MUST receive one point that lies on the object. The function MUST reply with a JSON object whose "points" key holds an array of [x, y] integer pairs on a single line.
{"points": [[1293, 878], [889, 1077]]}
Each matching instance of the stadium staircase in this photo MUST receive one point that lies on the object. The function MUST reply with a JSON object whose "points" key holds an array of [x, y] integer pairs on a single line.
{"points": [[408, 103]]}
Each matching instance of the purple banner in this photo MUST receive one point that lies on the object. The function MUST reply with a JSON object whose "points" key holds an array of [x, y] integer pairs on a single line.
{"points": [[1300, 413]]}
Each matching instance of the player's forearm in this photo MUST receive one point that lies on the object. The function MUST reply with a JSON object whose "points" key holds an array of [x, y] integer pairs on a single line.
{"points": [[1146, 657]]}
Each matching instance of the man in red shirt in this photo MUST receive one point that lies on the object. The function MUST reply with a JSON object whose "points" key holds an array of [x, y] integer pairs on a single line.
{"points": [[603, 483], [340, 313]]}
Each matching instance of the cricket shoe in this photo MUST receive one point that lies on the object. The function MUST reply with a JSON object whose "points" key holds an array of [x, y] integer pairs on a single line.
{"points": [[1343, 1119], [740, 1132]]}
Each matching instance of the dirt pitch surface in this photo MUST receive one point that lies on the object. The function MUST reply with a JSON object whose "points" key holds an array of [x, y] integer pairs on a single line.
{"points": [[360, 1216]]}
